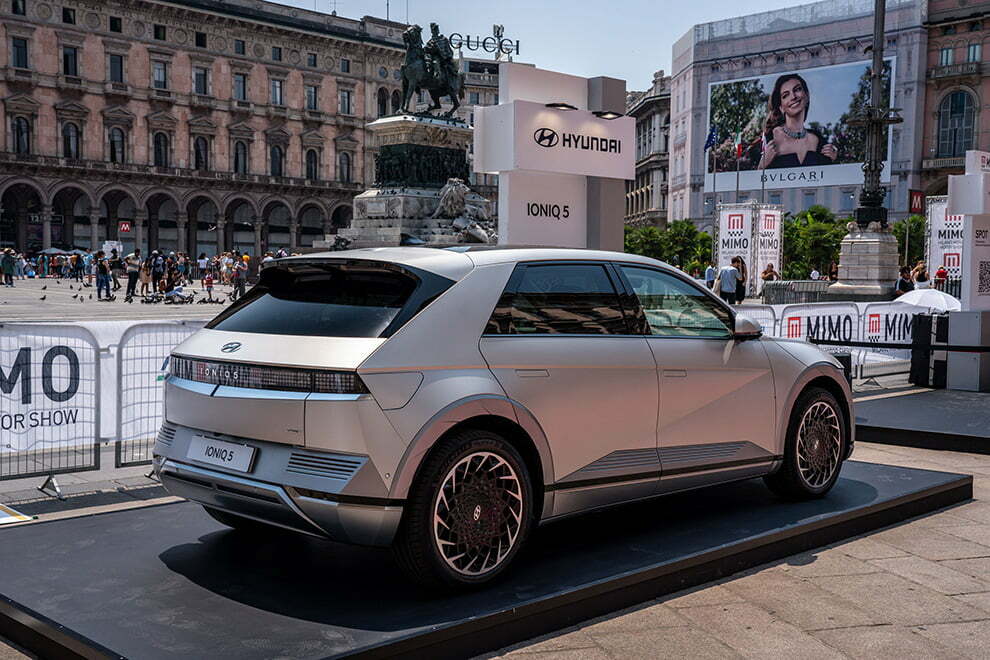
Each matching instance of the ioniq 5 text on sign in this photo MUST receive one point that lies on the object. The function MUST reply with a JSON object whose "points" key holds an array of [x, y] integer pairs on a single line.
{"points": [[446, 402]]}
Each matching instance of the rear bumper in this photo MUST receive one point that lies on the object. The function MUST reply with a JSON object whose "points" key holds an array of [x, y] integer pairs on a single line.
{"points": [[316, 493]]}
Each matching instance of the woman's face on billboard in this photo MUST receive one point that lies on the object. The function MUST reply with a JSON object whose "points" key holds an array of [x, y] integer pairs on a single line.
{"points": [[793, 98]]}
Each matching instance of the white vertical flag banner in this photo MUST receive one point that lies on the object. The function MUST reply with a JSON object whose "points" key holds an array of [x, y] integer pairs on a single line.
{"points": [[768, 240], [945, 238], [735, 234]]}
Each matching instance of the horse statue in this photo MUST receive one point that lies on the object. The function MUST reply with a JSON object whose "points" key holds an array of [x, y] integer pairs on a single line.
{"points": [[431, 68]]}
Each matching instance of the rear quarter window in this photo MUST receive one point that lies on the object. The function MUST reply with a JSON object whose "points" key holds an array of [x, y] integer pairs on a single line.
{"points": [[332, 299]]}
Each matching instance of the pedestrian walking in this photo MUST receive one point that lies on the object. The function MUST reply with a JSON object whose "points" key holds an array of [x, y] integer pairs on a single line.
{"points": [[743, 280], [710, 275], [144, 277], [7, 267], [728, 280], [203, 265], [133, 264], [102, 265], [116, 267]]}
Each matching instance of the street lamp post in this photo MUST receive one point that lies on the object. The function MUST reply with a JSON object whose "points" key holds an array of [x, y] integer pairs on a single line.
{"points": [[876, 118]]}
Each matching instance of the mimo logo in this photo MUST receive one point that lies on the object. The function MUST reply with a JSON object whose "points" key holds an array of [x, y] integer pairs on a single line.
{"points": [[735, 221], [793, 327], [546, 137]]}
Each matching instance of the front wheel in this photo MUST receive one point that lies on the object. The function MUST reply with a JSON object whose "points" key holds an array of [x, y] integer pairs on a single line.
{"points": [[814, 448], [468, 513]]}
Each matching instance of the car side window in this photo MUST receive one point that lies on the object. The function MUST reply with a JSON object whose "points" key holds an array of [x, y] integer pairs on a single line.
{"points": [[675, 308], [560, 299]]}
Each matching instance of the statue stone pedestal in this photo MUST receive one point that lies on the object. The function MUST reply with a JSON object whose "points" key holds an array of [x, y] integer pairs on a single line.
{"points": [[868, 265], [417, 158]]}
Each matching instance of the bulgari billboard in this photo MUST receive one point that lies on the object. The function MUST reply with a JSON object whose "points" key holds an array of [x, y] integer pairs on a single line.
{"points": [[792, 129]]}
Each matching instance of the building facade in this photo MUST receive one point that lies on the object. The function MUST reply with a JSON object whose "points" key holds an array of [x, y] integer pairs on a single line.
{"points": [[646, 195], [957, 83], [828, 33], [189, 125]]}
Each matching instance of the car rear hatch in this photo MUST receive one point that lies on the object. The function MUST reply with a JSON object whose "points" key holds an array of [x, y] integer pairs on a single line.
{"points": [[297, 337]]}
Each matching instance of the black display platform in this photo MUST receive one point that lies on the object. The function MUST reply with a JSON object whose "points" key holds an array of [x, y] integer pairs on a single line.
{"points": [[939, 419], [169, 582]]}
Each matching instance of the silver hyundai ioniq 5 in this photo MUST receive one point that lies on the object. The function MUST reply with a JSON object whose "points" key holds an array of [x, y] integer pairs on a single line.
{"points": [[445, 402]]}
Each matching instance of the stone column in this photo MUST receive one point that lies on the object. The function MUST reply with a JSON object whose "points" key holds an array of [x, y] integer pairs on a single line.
{"points": [[181, 223], [259, 225], [221, 225], [293, 235], [139, 218], [94, 229], [46, 227]]}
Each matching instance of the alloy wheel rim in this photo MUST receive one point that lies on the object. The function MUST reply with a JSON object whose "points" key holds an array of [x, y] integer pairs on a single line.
{"points": [[819, 443], [477, 513]]}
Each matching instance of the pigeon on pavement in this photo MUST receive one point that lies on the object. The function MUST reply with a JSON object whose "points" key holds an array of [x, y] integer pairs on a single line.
{"points": [[43, 297]]}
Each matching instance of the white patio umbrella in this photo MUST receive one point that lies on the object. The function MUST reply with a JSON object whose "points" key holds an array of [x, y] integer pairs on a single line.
{"points": [[932, 299]]}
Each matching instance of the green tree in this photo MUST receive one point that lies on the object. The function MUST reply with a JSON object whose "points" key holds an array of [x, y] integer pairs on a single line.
{"points": [[850, 141], [736, 107], [646, 241], [912, 229], [702, 255], [680, 243], [811, 240]]}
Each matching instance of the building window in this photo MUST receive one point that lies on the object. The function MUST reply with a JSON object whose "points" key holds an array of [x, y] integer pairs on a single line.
{"points": [[116, 145], [161, 149], [240, 157], [200, 40], [276, 98], [956, 120], [474, 98], [312, 165], [345, 65], [239, 48], [70, 140], [159, 75], [22, 135], [847, 200], [116, 24], [276, 53], [201, 153], [780, 59], [240, 86], [19, 54], [397, 103], [18, 7], [382, 102], [974, 53], [312, 97], [949, 29], [201, 80], [345, 167], [975, 26], [345, 102], [116, 68], [70, 60], [808, 199], [160, 32], [945, 57], [311, 60], [69, 15], [277, 160]]}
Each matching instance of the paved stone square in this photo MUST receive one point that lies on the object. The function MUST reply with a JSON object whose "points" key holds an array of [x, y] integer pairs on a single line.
{"points": [[920, 589], [67, 300]]}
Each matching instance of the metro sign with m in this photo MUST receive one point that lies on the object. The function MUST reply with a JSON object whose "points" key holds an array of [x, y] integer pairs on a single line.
{"points": [[735, 221]]}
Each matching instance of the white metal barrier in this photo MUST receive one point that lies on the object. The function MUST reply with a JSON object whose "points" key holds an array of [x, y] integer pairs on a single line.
{"points": [[49, 400], [141, 354], [764, 314]]}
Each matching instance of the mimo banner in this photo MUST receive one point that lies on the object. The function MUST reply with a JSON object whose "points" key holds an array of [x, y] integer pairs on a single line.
{"points": [[49, 387]]}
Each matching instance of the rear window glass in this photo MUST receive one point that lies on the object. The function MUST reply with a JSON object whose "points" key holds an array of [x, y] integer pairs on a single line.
{"points": [[560, 299], [347, 299]]}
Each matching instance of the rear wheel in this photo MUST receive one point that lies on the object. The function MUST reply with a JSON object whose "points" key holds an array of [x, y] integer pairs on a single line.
{"points": [[468, 514], [815, 447]]}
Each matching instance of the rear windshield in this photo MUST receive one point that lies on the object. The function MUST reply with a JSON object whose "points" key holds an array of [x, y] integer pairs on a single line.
{"points": [[332, 299]]}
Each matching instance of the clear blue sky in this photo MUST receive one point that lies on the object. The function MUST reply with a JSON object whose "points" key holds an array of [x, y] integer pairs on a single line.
{"points": [[628, 39]]}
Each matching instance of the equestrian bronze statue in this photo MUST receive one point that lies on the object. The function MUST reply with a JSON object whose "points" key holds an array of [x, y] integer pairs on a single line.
{"points": [[430, 67]]}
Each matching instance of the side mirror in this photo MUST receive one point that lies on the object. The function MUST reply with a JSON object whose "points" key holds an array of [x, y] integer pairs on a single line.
{"points": [[746, 328]]}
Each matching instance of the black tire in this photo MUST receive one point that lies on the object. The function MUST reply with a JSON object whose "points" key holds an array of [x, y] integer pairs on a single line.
{"points": [[811, 472], [482, 511], [242, 524]]}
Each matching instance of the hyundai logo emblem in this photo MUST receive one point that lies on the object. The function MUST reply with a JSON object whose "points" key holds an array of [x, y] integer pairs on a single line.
{"points": [[231, 347], [546, 137]]}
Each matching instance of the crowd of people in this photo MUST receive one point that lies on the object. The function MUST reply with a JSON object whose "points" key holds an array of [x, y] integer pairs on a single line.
{"points": [[918, 277], [156, 277]]}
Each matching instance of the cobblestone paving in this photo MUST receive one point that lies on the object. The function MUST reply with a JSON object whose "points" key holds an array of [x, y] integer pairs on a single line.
{"points": [[23, 302], [915, 590]]}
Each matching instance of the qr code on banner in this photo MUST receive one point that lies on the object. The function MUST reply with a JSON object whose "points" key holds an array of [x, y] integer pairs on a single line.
{"points": [[983, 288]]}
